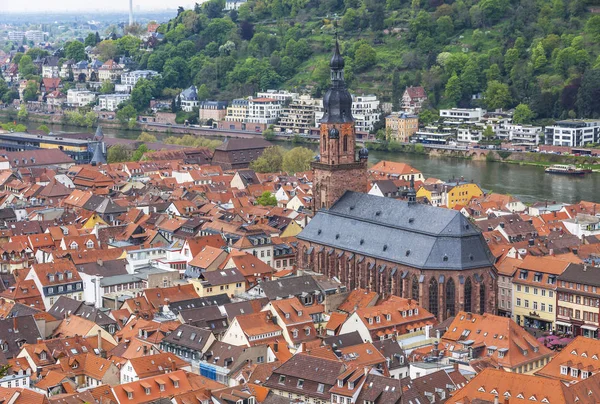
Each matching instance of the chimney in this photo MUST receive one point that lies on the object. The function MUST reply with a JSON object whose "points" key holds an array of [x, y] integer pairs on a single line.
{"points": [[496, 401], [173, 366], [99, 341], [15, 327], [99, 262]]}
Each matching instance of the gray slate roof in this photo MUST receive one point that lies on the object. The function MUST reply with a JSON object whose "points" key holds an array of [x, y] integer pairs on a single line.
{"points": [[417, 235]]}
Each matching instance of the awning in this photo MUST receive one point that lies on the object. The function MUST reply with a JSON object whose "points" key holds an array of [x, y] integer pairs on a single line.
{"points": [[589, 327], [562, 323]]}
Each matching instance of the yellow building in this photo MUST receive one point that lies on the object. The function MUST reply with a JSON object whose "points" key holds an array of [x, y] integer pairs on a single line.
{"points": [[461, 193], [400, 126], [533, 291], [211, 283], [449, 195]]}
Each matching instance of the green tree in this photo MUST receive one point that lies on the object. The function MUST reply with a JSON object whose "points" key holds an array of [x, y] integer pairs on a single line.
{"points": [[538, 57], [270, 161], [139, 153], [142, 94], [26, 66], [496, 95], [107, 87], [75, 50], [268, 134], [296, 160], [126, 113], [588, 96], [267, 199], [364, 57], [22, 115], [90, 40], [592, 27], [147, 137], [453, 92], [31, 90], [117, 154], [427, 117], [44, 129], [107, 50], [523, 114], [445, 27], [488, 133], [349, 21]]}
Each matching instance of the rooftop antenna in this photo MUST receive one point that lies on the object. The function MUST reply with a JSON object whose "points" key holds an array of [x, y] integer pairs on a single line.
{"points": [[130, 13]]}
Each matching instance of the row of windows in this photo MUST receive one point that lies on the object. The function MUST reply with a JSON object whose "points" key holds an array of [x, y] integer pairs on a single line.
{"points": [[61, 289], [578, 286], [542, 306], [587, 301], [536, 291], [568, 312]]}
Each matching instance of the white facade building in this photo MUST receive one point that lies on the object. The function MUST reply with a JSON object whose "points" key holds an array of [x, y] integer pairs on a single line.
{"points": [[35, 36], [16, 36], [263, 110], [469, 135], [234, 4], [110, 102], [130, 79], [527, 134], [573, 133], [279, 95], [365, 110], [462, 115], [80, 98]]}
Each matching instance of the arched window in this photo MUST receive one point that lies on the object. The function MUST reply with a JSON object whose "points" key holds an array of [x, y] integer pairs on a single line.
{"points": [[450, 298], [468, 294], [433, 297], [345, 143], [415, 287], [306, 256], [324, 143], [482, 297]]}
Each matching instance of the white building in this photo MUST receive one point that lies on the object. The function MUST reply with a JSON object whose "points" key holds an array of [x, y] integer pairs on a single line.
{"points": [[35, 36], [573, 133], [365, 110], [80, 98], [110, 102], [189, 99], [280, 95], [263, 110], [524, 134], [16, 36], [462, 115], [299, 115], [234, 4], [130, 79], [469, 135]]}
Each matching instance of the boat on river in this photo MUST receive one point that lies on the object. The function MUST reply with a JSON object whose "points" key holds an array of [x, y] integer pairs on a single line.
{"points": [[566, 169]]}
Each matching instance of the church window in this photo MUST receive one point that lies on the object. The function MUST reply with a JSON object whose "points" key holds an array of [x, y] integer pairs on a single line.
{"points": [[481, 297], [415, 287], [324, 143], [468, 293], [450, 298], [433, 297], [345, 143]]}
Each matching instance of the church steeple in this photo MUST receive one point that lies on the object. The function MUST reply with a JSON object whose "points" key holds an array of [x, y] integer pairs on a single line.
{"points": [[337, 102]]}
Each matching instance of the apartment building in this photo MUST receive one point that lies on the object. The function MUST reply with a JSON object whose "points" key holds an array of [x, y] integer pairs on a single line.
{"points": [[534, 288], [462, 115], [573, 133], [401, 126], [578, 300], [35, 36], [298, 116], [237, 111], [263, 110], [522, 134], [280, 95], [189, 98], [212, 110], [80, 98], [110, 102], [365, 110], [130, 79]]}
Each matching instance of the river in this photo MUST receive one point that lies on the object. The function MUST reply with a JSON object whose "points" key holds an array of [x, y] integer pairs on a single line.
{"points": [[528, 183]]}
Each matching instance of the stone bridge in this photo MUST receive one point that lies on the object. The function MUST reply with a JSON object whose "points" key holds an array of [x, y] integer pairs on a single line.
{"points": [[445, 151]]}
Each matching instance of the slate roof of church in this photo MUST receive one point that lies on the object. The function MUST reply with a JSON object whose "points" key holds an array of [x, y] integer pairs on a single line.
{"points": [[416, 235]]}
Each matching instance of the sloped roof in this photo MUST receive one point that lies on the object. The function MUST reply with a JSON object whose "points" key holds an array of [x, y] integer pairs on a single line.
{"points": [[416, 235]]}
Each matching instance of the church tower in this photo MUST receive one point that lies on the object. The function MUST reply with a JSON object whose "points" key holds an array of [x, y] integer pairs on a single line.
{"points": [[339, 168]]}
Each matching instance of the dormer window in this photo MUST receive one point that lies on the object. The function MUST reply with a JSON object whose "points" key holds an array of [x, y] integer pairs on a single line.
{"points": [[416, 311], [90, 244], [350, 385], [295, 333], [69, 275], [370, 320], [147, 389], [60, 276], [51, 277], [388, 317], [287, 315], [43, 355], [130, 395], [574, 372], [378, 319]]}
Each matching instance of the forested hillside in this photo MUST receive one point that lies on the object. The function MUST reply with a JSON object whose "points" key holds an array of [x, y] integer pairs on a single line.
{"points": [[540, 53]]}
